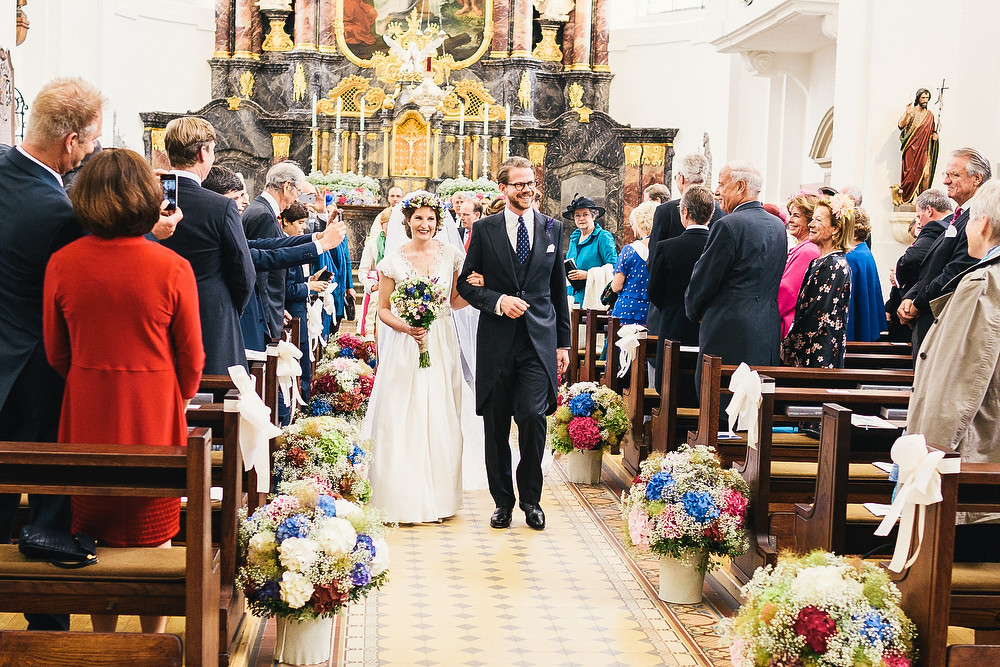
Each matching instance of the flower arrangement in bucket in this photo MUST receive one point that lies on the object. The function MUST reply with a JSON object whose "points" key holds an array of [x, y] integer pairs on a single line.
{"points": [[341, 387], [349, 346], [589, 417], [329, 448], [821, 610], [684, 506]]}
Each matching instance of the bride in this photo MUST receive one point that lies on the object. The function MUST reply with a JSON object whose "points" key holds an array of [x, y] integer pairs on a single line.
{"points": [[415, 414]]}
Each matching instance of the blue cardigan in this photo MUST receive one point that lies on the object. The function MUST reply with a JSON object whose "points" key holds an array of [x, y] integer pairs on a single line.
{"points": [[597, 250], [866, 315]]}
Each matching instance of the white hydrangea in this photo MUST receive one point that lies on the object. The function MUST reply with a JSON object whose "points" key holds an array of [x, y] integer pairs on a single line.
{"points": [[295, 589], [348, 510], [298, 553], [261, 545], [335, 535], [381, 560], [825, 584]]}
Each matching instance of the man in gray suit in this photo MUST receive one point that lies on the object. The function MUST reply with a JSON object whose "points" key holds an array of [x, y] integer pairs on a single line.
{"points": [[734, 286]]}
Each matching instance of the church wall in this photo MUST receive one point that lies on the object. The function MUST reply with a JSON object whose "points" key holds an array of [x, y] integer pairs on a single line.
{"points": [[8, 26], [141, 54]]}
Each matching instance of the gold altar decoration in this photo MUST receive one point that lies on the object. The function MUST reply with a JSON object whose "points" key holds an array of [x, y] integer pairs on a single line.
{"points": [[156, 136], [350, 91], [474, 95], [633, 155], [280, 143], [524, 91], [234, 102], [299, 85], [547, 48], [536, 154], [277, 39], [575, 93], [246, 84], [653, 155], [416, 41], [411, 138]]}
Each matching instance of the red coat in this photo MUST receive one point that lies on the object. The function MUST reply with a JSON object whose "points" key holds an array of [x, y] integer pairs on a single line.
{"points": [[122, 326]]}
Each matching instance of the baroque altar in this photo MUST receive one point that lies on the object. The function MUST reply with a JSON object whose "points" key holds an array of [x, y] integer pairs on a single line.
{"points": [[411, 92]]}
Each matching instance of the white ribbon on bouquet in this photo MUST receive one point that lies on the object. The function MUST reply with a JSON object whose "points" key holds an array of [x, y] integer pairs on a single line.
{"points": [[744, 407], [628, 342], [256, 428], [289, 372]]}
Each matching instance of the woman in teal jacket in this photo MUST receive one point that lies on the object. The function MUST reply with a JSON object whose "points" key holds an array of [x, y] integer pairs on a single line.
{"points": [[590, 245]]}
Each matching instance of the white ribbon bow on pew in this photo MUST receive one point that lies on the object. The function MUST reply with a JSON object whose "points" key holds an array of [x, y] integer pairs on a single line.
{"points": [[289, 371], [628, 342], [745, 404], [256, 428], [918, 485], [314, 322], [329, 302]]}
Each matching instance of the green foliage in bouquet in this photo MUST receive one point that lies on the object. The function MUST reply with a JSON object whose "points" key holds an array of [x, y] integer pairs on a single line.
{"points": [[589, 416]]}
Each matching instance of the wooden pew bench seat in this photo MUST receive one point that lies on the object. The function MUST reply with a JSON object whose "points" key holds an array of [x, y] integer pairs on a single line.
{"points": [[113, 564], [808, 469], [978, 578]]}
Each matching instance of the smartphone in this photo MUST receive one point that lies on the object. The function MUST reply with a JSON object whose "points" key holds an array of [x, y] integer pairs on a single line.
{"points": [[325, 275], [307, 198], [169, 183]]}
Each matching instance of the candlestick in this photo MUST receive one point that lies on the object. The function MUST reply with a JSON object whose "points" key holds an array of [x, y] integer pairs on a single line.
{"points": [[336, 151], [461, 155], [314, 110], [461, 119], [506, 109], [361, 141], [486, 119], [314, 131], [340, 104]]}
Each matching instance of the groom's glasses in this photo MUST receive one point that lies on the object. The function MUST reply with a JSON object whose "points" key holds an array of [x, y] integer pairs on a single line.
{"points": [[527, 185]]}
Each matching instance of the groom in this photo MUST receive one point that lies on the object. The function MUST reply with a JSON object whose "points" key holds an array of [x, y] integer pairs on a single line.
{"points": [[523, 336]]}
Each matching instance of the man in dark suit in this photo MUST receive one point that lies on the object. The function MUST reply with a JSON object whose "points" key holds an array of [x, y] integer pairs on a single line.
{"points": [[36, 219], [949, 256], [734, 285], [523, 340], [692, 170], [670, 272]]}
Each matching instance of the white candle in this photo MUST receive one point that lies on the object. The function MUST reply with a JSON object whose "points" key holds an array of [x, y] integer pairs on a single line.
{"points": [[461, 119], [340, 103], [362, 115], [314, 110], [506, 109], [486, 119]]}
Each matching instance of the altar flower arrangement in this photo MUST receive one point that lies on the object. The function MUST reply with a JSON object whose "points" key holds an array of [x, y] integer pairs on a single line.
{"points": [[325, 448], [821, 610], [418, 302], [350, 346], [348, 188], [589, 416], [684, 504], [481, 189], [340, 387], [309, 552]]}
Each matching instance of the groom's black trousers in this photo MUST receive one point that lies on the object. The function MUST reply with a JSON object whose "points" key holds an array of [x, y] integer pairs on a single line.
{"points": [[522, 392]]}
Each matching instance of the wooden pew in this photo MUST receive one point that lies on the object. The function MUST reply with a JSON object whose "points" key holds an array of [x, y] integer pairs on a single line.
{"points": [[609, 378], [639, 401], [575, 351], [669, 417], [179, 581], [21, 648], [595, 323], [879, 347]]}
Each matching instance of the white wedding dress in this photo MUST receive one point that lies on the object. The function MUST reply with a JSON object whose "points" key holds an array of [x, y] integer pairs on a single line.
{"points": [[415, 414]]}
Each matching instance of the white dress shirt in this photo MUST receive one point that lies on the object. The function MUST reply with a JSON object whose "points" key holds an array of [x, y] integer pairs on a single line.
{"points": [[44, 166]]}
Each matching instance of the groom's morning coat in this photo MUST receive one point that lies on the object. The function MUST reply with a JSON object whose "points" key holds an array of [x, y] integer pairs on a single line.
{"points": [[544, 288]]}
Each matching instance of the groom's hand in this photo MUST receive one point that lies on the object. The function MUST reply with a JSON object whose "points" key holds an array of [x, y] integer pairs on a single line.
{"points": [[513, 307], [562, 360]]}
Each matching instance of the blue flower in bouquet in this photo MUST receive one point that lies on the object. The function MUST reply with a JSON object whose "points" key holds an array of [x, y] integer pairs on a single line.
{"points": [[361, 575], [874, 628], [326, 505], [699, 504], [347, 353], [656, 484], [581, 405], [372, 362], [366, 543], [411, 291], [293, 526], [269, 591], [356, 455], [427, 297], [320, 407]]}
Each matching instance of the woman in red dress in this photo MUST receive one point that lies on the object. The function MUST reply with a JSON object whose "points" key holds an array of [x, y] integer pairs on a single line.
{"points": [[122, 326]]}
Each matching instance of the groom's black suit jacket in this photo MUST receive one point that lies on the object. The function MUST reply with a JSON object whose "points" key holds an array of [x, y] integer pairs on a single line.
{"points": [[544, 288]]}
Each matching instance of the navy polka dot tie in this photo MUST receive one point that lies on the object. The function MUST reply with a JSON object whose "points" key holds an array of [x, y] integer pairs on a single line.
{"points": [[523, 247]]}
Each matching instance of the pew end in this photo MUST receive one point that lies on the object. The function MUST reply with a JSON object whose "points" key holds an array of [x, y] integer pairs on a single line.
{"points": [[21, 648]]}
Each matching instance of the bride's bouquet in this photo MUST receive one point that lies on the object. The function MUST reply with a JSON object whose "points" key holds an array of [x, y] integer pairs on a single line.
{"points": [[418, 302]]}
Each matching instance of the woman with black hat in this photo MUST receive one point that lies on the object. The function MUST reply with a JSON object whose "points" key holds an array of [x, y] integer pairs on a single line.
{"points": [[590, 246]]}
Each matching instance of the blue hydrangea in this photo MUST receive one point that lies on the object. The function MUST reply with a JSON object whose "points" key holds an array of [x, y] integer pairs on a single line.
{"points": [[656, 484], [326, 505], [411, 291], [581, 405], [361, 575], [700, 506], [347, 353], [269, 591], [372, 362], [874, 628], [356, 455], [320, 407], [293, 526], [366, 543]]}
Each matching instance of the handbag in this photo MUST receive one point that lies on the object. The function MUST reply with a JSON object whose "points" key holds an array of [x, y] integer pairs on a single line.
{"points": [[609, 296], [59, 547], [350, 308]]}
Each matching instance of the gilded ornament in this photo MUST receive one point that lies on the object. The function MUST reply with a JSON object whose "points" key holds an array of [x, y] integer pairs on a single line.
{"points": [[156, 136], [246, 84], [234, 103], [350, 90], [536, 153], [633, 155], [584, 113], [524, 91], [410, 146], [299, 86], [277, 39], [653, 154], [474, 95], [280, 143], [575, 92], [547, 47]]}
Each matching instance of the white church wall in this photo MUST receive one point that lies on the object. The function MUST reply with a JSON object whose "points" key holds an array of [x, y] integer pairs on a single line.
{"points": [[143, 55], [8, 24]]}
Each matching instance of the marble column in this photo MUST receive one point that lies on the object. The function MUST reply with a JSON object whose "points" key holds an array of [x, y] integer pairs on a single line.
{"points": [[223, 22], [256, 33], [243, 20], [327, 26], [501, 29], [523, 23], [581, 35], [305, 25], [601, 31], [569, 28]]}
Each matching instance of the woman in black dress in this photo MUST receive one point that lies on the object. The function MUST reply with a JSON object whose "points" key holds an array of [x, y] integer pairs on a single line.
{"points": [[818, 337]]}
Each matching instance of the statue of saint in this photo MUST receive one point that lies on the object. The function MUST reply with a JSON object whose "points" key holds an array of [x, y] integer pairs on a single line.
{"points": [[919, 144]]}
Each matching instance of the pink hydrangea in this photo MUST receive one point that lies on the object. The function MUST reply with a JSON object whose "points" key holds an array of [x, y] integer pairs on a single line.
{"points": [[668, 525], [895, 661], [584, 432], [736, 651], [283, 507], [638, 527], [735, 504]]}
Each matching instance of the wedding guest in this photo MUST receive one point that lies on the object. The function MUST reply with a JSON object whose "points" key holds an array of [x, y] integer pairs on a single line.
{"points": [[470, 211], [498, 204], [371, 255], [127, 339], [866, 314], [800, 212], [229, 184], [818, 336], [591, 247], [631, 275], [657, 192]]}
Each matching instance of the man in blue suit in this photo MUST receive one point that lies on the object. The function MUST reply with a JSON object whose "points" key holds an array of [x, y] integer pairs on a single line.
{"points": [[36, 219]]}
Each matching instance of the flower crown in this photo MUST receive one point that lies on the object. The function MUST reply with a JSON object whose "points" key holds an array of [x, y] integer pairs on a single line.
{"points": [[419, 199], [842, 205]]}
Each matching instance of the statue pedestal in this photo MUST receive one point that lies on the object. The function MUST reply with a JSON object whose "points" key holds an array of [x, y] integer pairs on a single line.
{"points": [[899, 223]]}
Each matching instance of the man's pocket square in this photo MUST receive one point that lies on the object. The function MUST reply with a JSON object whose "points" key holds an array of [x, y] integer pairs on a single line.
{"points": [[551, 248]]}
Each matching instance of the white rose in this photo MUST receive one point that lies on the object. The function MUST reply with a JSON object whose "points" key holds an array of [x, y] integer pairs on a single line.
{"points": [[381, 560], [295, 589], [348, 510], [335, 535], [261, 545], [298, 553]]}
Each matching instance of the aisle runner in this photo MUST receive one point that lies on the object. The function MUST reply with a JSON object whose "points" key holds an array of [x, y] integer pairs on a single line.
{"points": [[462, 593]]}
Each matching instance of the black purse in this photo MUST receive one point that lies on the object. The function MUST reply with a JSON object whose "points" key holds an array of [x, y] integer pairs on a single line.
{"points": [[59, 547], [350, 308], [609, 296]]}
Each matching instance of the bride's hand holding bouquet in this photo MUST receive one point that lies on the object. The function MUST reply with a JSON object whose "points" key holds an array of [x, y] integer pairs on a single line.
{"points": [[418, 302]]}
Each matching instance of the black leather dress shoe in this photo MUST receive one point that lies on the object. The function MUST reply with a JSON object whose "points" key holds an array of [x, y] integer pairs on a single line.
{"points": [[533, 515], [501, 517]]}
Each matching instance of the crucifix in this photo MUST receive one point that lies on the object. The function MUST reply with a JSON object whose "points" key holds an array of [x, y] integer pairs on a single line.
{"points": [[940, 104]]}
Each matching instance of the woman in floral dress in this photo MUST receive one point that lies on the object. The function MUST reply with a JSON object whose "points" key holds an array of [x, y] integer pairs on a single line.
{"points": [[818, 336]]}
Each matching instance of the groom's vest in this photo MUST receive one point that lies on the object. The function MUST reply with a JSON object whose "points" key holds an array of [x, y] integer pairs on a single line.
{"points": [[520, 270]]}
